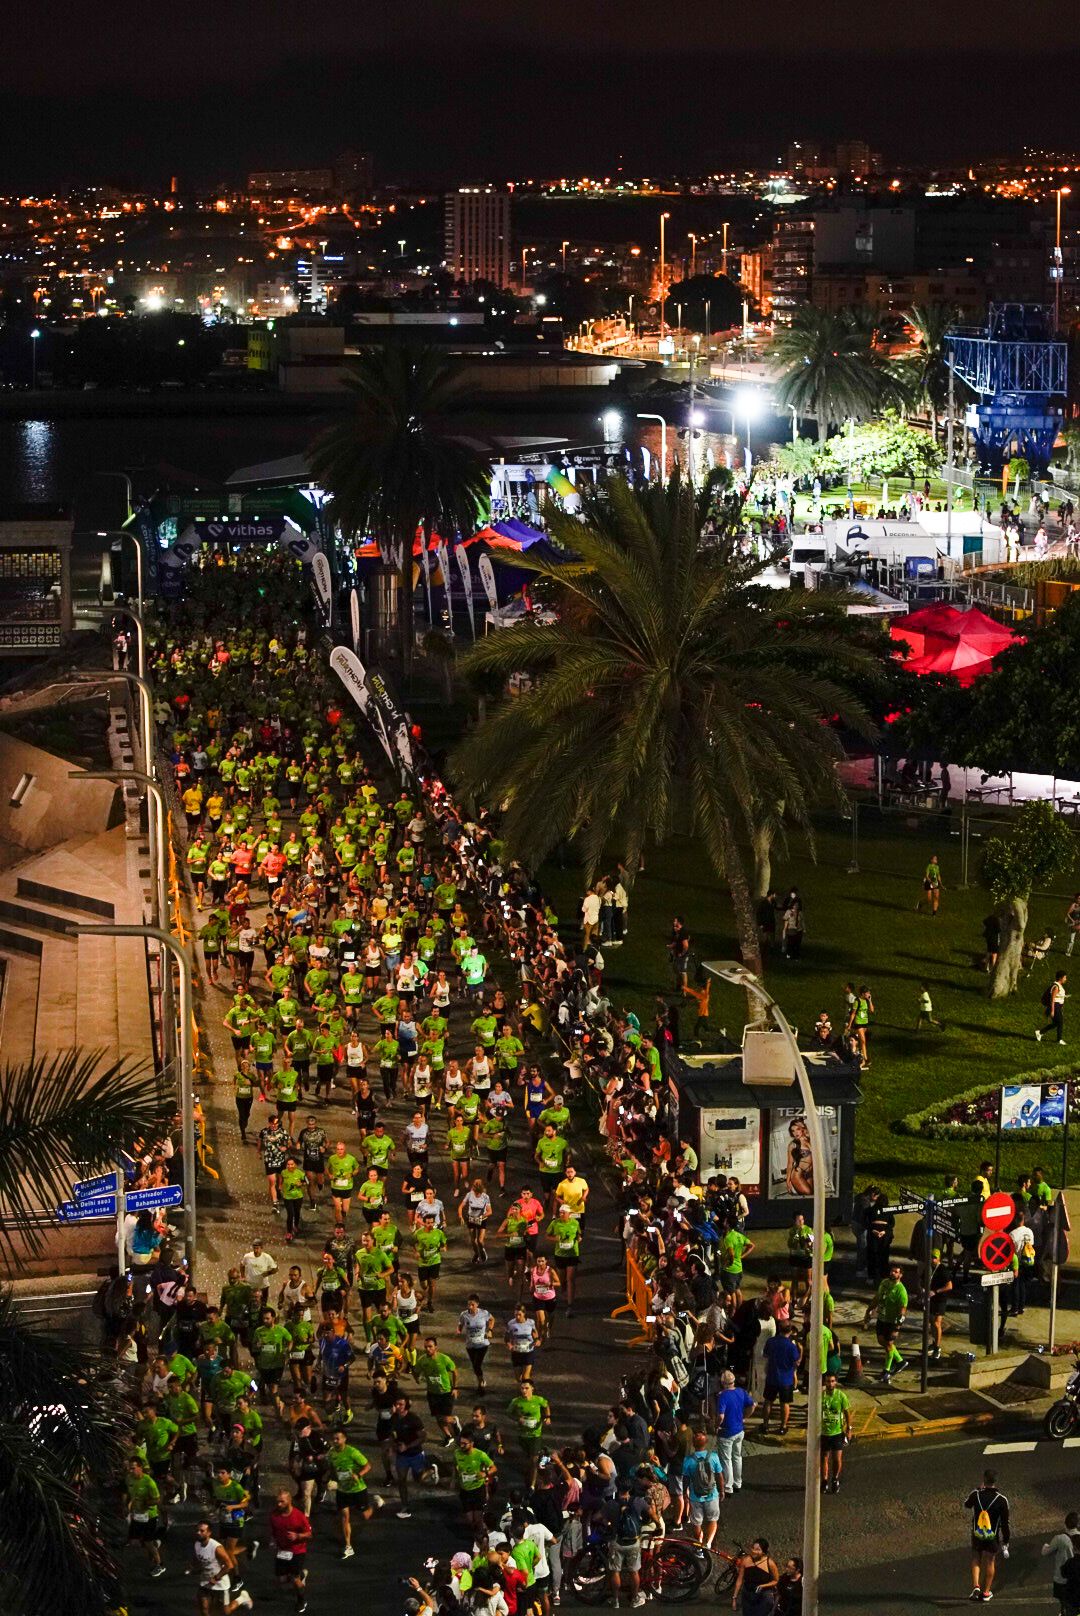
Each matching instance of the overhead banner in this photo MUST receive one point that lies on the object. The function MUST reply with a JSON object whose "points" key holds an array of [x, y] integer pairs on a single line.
{"points": [[466, 582], [487, 578], [354, 619], [244, 530], [322, 586]]}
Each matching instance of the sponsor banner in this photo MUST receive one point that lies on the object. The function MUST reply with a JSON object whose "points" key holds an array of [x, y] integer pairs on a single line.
{"points": [[487, 578], [322, 586], [466, 582], [354, 619]]}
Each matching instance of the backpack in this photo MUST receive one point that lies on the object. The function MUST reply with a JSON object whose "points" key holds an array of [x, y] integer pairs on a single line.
{"points": [[984, 1530], [1046, 999], [704, 1476], [628, 1529]]}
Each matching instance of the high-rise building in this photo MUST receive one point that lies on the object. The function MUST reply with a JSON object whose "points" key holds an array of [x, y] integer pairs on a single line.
{"points": [[793, 266], [854, 158], [477, 235], [291, 181], [353, 175]]}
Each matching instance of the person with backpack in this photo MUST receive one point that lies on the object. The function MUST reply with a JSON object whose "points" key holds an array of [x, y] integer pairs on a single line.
{"points": [[703, 1489], [628, 1517], [1053, 1002], [1061, 1550], [989, 1533]]}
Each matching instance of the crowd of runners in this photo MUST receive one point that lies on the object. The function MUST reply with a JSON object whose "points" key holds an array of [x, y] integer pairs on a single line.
{"points": [[418, 1051]]}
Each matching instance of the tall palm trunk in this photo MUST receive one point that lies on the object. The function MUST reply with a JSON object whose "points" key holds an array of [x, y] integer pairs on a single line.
{"points": [[743, 908], [1013, 918]]}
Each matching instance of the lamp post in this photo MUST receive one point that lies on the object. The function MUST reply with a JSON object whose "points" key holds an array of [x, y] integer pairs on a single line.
{"points": [[708, 323], [630, 316], [187, 1077], [35, 338], [735, 972], [664, 217], [1059, 272], [723, 251], [129, 533], [746, 402], [564, 247], [693, 253], [648, 415]]}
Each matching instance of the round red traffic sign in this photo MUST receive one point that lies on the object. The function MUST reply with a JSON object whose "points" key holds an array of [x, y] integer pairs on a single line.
{"points": [[998, 1211], [996, 1251]]}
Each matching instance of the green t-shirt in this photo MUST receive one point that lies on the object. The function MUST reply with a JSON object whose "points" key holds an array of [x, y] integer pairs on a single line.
{"points": [[472, 1469], [486, 1029], [376, 1148], [530, 1412], [270, 1345], [372, 1268], [566, 1233], [892, 1301], [243, 1085], [157, 1434], [458, 1141], [550, 1153], [430, 1245], [293, 1183], [732, 1247], [342, 1170], [557, 1115], [346, 1464], [228, 1387], [144, 1496], [183, 1410], [493, 1133], [834, 1407], [436, 1371]]}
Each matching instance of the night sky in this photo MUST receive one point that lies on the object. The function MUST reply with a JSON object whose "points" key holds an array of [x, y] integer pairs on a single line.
{"points": [[490, 88]]}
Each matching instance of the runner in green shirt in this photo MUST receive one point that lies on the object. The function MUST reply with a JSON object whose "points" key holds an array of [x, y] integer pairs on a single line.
{"points": [[437, 1373], [474, 1469], [143, 1507], [509, 1051], [550, 1154], [270, 1344], [493, 1137], [293, 1186], [890, 1304], [532, 1413], [486, 1028], [378, 1147], [566, 1233], [835, 1431], [430, 1244], [348, 1468], [342, 1168], [458, 1143]]}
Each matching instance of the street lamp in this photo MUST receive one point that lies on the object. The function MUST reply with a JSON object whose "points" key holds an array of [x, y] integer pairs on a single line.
{"points": [[1059, 272], [664, 217], [35, 338], [693, 254], [747, 403], [735, 972], [187, 1077], [630, 316], [723, 251], [648, 415], [564, 247]]}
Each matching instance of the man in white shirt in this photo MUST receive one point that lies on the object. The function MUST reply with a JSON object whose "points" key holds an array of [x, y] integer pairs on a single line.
{"points": [[590, 915], [256, 1266]]}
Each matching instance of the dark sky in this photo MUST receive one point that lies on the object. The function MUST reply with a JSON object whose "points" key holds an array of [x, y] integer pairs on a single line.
{"points": [[490, 88]]}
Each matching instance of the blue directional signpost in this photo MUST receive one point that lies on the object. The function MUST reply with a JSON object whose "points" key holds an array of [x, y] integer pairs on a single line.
{"points": [[105, 1197]]}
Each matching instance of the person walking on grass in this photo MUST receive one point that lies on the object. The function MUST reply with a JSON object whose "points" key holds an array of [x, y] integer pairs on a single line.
{"points": [[926, 1010], [1053, 1002], [932, 886], [989, 1534]]}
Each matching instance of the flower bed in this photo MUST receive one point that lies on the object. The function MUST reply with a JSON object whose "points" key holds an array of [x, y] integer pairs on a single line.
{"points": [[974, 1113]]}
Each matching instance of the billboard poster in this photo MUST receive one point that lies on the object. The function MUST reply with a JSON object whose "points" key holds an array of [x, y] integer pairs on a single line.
{"points": [[1033, 1105], [731, 1144], [791, 1161]]}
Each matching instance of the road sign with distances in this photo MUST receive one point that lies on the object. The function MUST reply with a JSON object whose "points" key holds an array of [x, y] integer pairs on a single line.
{"points": [[159, 1195], [104, 1184], [95, 1206]]}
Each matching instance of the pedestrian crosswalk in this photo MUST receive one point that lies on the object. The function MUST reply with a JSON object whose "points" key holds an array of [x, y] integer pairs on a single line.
{"points": [[1029, 1446]]}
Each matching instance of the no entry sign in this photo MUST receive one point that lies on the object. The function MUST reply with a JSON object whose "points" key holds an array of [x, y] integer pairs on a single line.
{"points": [[996, 1251], [998, 1211]]}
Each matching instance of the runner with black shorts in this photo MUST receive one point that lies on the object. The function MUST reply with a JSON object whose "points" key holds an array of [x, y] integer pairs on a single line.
{"points": [[313, 1146]]}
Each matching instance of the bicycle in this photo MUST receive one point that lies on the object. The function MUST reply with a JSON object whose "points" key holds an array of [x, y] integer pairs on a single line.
{"points": [[728, 1573], [670, 1570]]}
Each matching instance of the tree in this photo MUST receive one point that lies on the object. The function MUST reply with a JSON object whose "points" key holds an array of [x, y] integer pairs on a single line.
{"points": [[1039, 849], [64, 1419], [927, 370], [396, 466], [674, 693], [720, 292], [828, 367]]}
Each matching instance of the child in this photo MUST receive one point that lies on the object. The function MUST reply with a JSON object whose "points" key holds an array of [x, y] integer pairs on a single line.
{"points": [[926, 1010]]}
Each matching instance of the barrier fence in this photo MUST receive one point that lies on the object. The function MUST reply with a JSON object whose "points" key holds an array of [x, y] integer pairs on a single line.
{"points": [[638, 1302]]}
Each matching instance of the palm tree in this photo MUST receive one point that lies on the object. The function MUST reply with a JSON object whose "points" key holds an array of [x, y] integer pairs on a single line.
{"points": [[64, 1417], [828, 367], [395, 465], [927, 370], [674, 693]]}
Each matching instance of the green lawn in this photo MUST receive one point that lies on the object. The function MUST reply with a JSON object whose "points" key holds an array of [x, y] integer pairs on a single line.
{"points": [[863, 927]]}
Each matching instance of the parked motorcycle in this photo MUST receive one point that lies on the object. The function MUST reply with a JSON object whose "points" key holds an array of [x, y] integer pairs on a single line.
{"points": [[1064, 1417]]}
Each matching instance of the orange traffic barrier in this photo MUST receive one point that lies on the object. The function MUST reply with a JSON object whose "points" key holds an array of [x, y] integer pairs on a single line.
{"points": [[638, 1301]]}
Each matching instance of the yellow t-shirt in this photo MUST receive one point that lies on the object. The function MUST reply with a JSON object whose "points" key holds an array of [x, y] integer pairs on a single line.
{"points": [[572, 1192]]}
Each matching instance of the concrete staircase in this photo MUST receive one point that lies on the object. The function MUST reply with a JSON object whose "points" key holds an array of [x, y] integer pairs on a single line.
{"points": [[62, 990]]}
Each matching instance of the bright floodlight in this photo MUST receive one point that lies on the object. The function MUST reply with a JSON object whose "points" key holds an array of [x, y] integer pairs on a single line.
{"points": [[748, 403], [540, 299], [697, 417], [35, 333], [612, 422]]}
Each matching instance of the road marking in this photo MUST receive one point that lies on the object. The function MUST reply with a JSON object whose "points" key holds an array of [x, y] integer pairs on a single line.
{"points": [[1010, 1447], [1071, 1442]]}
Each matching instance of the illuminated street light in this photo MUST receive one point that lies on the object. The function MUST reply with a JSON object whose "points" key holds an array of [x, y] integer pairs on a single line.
{"points": [[35, 336]]}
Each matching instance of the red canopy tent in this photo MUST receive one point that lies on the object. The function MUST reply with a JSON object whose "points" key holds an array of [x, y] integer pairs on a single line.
{"points": [[944, 640]]}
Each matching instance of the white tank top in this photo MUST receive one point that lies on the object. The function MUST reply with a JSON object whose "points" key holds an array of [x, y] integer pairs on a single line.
{"points": [[408, 1306], [209, 1564], [355, 1055]]}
